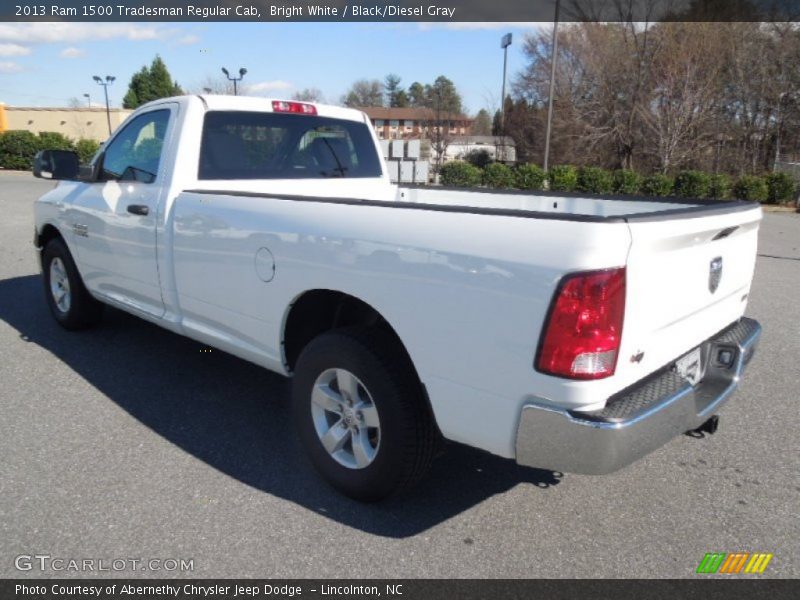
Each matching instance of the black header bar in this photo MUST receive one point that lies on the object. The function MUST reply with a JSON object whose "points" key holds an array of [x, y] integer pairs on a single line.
{"points": [[443, 11]]}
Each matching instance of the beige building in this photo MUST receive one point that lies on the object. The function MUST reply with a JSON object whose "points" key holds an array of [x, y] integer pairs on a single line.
{"points": [[75, 123]]}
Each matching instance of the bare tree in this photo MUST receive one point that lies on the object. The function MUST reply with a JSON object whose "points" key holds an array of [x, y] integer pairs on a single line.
{"points": [[664, 96], [212, 84], [363, 93], [683, 93], [309, 95]]}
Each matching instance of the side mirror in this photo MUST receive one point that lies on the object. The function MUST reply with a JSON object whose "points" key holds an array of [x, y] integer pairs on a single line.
{"points": [[56, 164], [91, 172]]}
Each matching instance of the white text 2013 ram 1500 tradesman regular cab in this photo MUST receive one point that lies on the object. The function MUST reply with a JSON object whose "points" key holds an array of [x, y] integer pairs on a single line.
{"points": [[569, 333]]}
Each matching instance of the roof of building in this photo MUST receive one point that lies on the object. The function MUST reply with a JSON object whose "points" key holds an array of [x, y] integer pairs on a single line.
{"points": [[486, 140], [410, 114], [66, 108]]}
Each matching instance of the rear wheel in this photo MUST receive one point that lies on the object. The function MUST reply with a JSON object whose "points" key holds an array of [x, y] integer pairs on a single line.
{"points": [[359, 410], [69, 301]]}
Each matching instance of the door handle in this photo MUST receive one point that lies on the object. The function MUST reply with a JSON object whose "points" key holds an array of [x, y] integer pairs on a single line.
{"points": [[139, 209]]}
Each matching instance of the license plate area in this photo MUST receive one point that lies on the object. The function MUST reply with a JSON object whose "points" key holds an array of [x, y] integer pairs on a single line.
{"points": [[691, 366]]}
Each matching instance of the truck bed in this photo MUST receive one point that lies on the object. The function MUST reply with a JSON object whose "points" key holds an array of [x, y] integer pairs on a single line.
{"points": [[557, 205]]}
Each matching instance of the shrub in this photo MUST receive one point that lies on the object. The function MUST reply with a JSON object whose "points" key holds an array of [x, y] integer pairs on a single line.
{"points": [[478, 157], [594, 180], [459, 174], [563, 178], [17, 149], [781, 188], [498, 175], [719, 186], [529, 177], [691, 184], [52, 140], [657, 185], [751, 187], [627, 181], [86, 149]]}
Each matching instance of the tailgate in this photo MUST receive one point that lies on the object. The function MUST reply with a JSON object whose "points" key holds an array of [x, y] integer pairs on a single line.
{"points": [[687, 278]]}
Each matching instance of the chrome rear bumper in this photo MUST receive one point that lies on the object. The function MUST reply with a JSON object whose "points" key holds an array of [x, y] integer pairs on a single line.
{"points": [[637, 420]]}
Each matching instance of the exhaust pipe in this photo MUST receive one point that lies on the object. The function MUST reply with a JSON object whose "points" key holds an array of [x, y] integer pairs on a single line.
{"points": [[710, 427]]}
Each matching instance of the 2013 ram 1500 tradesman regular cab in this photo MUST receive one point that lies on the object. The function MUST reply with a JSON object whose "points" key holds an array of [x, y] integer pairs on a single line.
{"points": [[569, 333]]}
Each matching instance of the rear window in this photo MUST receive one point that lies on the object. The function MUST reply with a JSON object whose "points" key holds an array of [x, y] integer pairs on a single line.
{"points": [[258, 145]]}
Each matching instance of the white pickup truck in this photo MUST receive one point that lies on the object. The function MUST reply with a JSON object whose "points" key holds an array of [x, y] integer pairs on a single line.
{"points": [[565, 332]]}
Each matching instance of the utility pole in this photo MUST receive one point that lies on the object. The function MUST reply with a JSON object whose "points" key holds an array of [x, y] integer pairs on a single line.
{"points": [[553, 57]]}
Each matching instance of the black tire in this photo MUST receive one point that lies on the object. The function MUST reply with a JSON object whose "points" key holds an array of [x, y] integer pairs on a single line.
{"points": [[408, 434], [83, 310]]}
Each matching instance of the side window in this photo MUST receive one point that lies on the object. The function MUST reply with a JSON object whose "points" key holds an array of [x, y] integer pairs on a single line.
{"points": [[135, 153]]}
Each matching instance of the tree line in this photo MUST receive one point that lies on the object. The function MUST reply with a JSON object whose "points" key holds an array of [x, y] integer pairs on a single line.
{"points": [[441, 95], [720, 97]]}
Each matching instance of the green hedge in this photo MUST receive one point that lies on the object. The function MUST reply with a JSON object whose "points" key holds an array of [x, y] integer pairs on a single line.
{"points": [[691, 184], [460, 174], [773, 187], [479, 157], [529, 177], [17, 148], [657, 185], [51, 140], [780, 188], [86, 149], [594, 180], [498, 175], [627, 182], [719, 186], [563, 178], [751, 187]]}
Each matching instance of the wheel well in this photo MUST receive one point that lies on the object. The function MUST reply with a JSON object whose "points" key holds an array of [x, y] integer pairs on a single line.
{"points": [[318, 311], [49, 232]]}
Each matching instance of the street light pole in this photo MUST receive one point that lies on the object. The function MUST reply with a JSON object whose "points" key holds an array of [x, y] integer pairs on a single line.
{"points": [[242, 73], [88, 100], [552, 90], [105, 83], [778, 134], [505, 42]]}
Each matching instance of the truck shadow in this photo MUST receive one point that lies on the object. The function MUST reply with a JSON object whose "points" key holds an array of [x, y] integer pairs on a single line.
{"points": [[235, 417]]}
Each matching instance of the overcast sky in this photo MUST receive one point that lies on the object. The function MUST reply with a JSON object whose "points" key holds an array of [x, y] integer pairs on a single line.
{"points": [[46, 64]]}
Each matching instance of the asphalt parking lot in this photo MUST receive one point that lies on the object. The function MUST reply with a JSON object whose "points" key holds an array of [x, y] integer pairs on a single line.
{"points": [[128, 441]]}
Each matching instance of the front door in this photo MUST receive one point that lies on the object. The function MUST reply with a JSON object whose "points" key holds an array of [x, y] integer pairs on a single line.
{"points": [[113, 220]]}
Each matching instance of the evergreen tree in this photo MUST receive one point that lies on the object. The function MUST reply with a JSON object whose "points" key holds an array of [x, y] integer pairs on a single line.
{"points": [[416, 95], [482, 124], [395, 95], [150, 84]]}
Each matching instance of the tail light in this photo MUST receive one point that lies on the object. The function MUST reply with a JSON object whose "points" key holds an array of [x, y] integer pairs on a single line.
{"points": [[583, 330], [300, 108]]}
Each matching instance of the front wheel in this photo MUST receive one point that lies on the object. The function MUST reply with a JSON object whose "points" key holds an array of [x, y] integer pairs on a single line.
{"points": [[69, 301], [359, 411]]}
